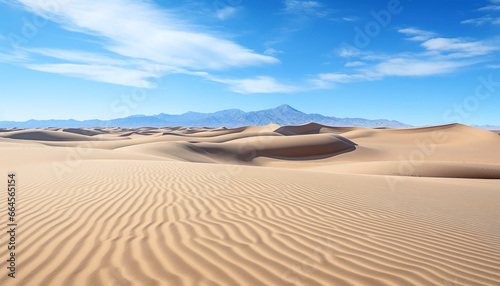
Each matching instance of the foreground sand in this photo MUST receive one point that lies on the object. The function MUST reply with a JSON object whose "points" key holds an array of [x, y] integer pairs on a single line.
{"points": [[296, 205]]}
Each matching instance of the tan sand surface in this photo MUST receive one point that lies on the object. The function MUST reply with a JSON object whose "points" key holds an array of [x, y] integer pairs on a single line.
{"points": [[270, 205]]}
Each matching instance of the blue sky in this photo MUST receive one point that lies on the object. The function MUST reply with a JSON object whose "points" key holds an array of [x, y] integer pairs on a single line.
{"points": [[419, 62]]}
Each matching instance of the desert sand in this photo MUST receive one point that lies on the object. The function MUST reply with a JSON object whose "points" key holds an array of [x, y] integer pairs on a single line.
{"points": [[271, 205]]}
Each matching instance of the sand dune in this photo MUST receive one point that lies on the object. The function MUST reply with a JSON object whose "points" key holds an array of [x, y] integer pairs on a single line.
{"points": [[83, 131], [271, 205], [246, 149], [439, 169], [44, 135]]}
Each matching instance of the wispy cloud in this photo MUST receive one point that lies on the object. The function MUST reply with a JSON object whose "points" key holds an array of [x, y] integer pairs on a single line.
{"points": [[348, 52], [417, 34], [482, 20], [100, 73], [461, 47], [227, 12], [259, 84], [304, 7], [324, 79], [140, 33], [492, 15], [452, 47], [141, 30], [490, 8], [349, 19], [417, 67], [402, 67], [11, 56], [272, 52], [314, 9], [80, 56], [441, 56], [14, 57], [354, 64], [137, 35]]}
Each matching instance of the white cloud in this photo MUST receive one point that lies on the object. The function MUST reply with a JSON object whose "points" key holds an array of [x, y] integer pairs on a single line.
{"points": [[491, 15], [259, 84], [403, 67], [490, 8], [328, 80], [79, 56], [298, 6], [417, 34], [138, 34], [466, 49], [493, 66], [227, 12], [342, 78], [272, 52], [17, 56], [100, 73], [354, 64], [482, 20], [313, 8], [348, 52], [451, 47], [416, 67], [441, 56], [349, 19]]}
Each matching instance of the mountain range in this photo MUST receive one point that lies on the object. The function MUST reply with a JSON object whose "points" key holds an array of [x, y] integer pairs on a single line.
{"points": [[281, 115]]}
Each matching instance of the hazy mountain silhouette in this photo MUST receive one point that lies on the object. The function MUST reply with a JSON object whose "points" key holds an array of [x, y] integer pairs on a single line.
{"points": [[282, 115]]}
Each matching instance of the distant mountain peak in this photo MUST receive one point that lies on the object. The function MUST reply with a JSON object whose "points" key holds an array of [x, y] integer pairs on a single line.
{"points": [[285, 108]]}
